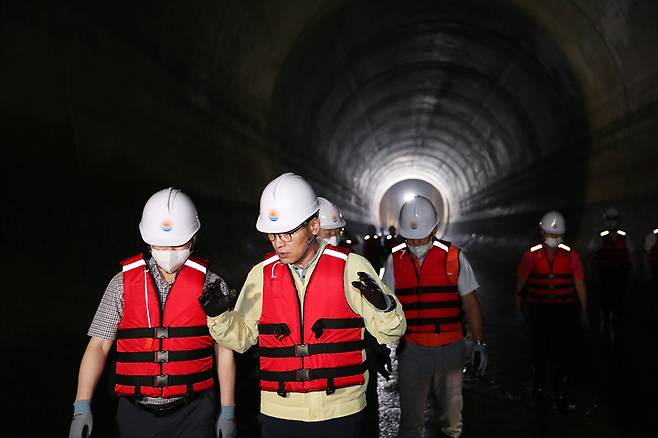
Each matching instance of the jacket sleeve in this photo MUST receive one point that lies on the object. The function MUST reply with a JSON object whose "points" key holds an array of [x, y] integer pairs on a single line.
{"points": [[238, 329]]}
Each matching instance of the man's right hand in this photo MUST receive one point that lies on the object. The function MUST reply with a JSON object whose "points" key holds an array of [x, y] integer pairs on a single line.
{"points": [[83, 421], [214, 302]]}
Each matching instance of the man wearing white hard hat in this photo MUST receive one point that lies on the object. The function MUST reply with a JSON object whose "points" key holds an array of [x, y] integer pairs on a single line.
{"points": [[434, 282], [306, 306], [164, 361], [331, 222], [611, 254], [551, 278], [379, 360]]}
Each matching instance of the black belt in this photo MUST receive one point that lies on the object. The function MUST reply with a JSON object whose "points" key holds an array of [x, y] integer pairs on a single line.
{"points": [[163, 379], [304, 350], [307, 374], [163, 332], [163, 356]]}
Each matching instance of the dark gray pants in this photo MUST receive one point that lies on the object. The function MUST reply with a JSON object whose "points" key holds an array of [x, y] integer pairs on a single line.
{"points": [[421, 369], [194, 420]]}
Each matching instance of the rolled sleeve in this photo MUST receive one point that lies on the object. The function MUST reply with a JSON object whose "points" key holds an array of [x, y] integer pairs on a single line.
{"points": [[386, 327], [238, 329]]}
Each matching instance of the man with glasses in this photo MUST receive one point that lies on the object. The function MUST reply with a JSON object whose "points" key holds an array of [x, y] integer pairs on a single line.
{"points": [[306, 305]]}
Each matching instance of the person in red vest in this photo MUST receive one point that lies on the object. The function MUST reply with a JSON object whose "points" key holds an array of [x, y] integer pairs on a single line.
{"points": [[611, 258], [551, 279], [435, 283], [306, 306], [651, 260], [164, 353]]}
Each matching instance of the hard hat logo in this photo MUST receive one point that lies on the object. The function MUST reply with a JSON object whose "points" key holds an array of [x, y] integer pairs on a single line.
{"points": [[334, 218], [413, 225], [166, 226], [273, 215]]}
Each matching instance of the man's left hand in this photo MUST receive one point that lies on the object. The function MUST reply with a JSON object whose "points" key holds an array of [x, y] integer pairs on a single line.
{"points": [[225, 427]]}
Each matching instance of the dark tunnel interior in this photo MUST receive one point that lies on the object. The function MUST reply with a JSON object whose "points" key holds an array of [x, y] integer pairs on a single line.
{"points": [[498, 110]]}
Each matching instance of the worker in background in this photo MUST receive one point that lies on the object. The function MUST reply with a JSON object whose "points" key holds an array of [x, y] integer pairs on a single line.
{"points": [[392, 240], [434, 282], [612, 260], [373, 250], [306, 306], [379, 359], [164, 362], [551, 279]]}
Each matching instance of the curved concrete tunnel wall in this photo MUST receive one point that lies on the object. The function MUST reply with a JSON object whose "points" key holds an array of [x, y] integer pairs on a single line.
{"points": [[508, 108]]}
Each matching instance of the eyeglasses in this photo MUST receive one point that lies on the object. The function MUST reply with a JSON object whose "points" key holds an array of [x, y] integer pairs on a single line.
{"points": [[287, 236]]}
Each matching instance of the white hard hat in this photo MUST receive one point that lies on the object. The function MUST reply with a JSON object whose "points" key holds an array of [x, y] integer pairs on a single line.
{"points": [[611, 213], [169, 218], [286, 202], [553, 222], [417, 218], [330, 217]]}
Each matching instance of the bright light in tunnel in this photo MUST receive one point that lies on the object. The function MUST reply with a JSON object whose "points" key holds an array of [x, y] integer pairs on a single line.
{"points": [[409, 196]]}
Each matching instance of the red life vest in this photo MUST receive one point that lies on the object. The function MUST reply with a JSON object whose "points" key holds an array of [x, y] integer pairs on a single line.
{"points": [[428, 293], [163, 354], [324, 349], [551, 281], [613, 254]]}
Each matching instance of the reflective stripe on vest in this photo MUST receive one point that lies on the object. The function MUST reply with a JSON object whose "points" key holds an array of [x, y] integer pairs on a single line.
{"points": [[613, 253], [428, 293], [163, 354], [551, 281], [324, 349]]}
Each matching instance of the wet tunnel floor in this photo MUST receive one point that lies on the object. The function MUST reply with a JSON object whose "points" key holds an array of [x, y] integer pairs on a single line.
{"points": [[613, 395]]}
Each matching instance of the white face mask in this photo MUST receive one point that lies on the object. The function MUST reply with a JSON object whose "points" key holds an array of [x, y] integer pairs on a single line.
{"points": [[420, 250], [333, 240], [170, 260], [553, 242]]}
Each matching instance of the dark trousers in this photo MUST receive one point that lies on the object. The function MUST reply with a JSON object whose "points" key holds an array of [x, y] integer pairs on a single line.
{"points": [[343, 427], [554, 328], [194, 420]]}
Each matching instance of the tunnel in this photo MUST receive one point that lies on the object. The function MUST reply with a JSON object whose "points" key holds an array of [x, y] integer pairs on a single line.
{"points": [[498, 111]]}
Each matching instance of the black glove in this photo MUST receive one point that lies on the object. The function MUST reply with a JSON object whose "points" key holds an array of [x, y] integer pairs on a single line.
{"points": [[372, 292], [213, 300], [380, 357]]}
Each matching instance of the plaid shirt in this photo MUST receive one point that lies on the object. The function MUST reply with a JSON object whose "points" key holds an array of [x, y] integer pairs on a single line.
{"points": [[109, 312]]}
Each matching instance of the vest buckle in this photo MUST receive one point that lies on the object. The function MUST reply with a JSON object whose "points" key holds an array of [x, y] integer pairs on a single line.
{"points": [[301, 350], [161, 356], [161, 332], [302, 375], [161, 380]]}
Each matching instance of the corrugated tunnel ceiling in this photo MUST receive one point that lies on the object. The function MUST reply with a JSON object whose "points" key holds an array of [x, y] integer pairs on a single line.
{"points": [[457, 96]]}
